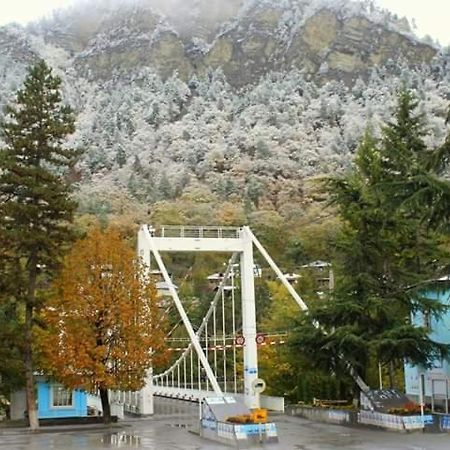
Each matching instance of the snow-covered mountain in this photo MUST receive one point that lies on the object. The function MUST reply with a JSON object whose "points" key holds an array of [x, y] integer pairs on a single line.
{"points": [[247, 97], [327, 39]]}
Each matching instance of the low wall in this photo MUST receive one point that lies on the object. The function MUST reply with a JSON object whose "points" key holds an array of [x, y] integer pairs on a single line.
{"points": [[336, 416], [18, 405], [443, 422], [272, 403], [386, 421], [117, 409], [392, 422], [239, 435], [90, 420]]}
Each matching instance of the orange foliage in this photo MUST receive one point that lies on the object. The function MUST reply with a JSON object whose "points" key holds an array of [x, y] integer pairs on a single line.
{"points": [[103, 326]]}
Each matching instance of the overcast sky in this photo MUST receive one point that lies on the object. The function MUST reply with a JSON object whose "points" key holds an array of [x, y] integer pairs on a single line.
{"points": [[432, 16]]}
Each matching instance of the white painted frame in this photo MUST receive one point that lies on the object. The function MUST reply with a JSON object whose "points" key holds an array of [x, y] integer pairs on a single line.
{"points": [[150, 245]]}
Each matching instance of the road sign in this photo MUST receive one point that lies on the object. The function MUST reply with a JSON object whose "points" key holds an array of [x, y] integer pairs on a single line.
{"points": [[240, 340], [260, 339], [259, 385]]}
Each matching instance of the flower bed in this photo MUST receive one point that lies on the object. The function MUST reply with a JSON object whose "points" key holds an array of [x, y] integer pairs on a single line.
{"points": [[409, 409]]}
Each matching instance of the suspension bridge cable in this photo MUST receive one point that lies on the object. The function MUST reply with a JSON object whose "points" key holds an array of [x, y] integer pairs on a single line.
{"points": [[224, 344], [203, 325]]}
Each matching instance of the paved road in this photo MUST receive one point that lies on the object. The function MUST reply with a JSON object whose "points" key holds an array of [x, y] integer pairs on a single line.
{"points": [[170, 430]]}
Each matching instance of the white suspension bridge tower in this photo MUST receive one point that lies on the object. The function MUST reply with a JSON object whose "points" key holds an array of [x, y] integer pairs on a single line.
{"points": [[202, 370], [186, 377]]}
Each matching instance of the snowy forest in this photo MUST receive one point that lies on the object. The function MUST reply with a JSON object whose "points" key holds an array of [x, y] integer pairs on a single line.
{"points": [[148, 138]]}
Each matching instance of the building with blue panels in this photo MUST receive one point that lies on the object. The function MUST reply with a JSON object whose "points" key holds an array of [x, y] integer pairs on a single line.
{"points": [[55, 401], [434, 383]]}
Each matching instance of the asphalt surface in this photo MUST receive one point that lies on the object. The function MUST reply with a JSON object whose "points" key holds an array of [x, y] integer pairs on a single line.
{"points": [[174, 425]]}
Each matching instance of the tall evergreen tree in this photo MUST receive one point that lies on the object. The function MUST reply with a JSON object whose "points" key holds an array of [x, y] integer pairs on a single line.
{"points": [[388, 248], [11, 330], [414, 173], [36, 208]]}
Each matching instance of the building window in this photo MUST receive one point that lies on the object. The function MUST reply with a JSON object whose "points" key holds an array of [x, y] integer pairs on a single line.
{"points": [[61, 397]]}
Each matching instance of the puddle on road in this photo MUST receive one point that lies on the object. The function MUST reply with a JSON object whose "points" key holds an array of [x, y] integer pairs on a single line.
{"points": [[341, 440]]}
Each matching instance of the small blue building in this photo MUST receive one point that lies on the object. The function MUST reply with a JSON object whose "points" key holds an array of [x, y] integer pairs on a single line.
{"points": [[54, 401], [435, 382]]}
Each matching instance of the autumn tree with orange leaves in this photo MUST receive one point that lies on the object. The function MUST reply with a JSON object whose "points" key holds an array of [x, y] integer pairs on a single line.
{"points": [[103, 328]]}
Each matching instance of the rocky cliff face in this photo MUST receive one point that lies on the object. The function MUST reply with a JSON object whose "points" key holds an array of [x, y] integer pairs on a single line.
{"points": [[247, 98], [339, 39]]}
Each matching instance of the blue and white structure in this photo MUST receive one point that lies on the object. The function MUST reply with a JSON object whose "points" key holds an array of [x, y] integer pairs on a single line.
{"points": [[54, 401], [432, 386]]}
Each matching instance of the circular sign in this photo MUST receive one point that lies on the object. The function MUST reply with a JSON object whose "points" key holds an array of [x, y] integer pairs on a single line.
{"points": [[260, 338], [240, 340], [259, 385]]}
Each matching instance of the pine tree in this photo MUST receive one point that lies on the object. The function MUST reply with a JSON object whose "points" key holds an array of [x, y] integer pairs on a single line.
{"points": [[385, 253], [11, 328], [415, 173], [121, 157], [36, 208]]}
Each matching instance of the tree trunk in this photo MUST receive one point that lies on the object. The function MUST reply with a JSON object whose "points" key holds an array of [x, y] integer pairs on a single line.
{"points": [[28, 345], [391, 375], [28, 361], [105, 405]]}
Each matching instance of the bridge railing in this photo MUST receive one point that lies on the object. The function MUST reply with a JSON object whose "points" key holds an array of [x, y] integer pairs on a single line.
{"points": [[174, 231]]}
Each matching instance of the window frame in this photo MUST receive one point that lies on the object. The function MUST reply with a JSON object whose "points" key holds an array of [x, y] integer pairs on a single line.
{"points": [[52, 397]]}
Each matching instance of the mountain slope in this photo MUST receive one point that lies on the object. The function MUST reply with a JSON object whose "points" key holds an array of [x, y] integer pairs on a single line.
{"points": [[248, 100]]}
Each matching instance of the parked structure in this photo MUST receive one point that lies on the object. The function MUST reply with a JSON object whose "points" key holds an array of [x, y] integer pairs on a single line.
{"points": [[431, 386]]}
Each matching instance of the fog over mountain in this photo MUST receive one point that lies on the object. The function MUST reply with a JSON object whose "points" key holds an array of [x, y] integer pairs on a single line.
{"points": [[246, 98]]}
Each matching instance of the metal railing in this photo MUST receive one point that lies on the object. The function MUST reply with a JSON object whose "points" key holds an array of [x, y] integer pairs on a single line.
{"points": [[181, 231]]}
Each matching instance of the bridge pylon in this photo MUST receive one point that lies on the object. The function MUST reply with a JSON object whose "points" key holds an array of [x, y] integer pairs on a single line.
{"points": [[240, 242]]}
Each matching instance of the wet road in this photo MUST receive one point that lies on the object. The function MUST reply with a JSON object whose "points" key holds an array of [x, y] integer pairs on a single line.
{"points": [[172, 429]]}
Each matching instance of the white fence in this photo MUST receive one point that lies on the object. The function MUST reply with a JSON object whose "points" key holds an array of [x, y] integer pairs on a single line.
{"points": [[269, 402], [117, 407], [272, 403]]}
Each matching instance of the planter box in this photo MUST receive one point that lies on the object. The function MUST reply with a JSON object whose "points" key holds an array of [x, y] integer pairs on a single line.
{"points": [[391, 421], [380, 420]]}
